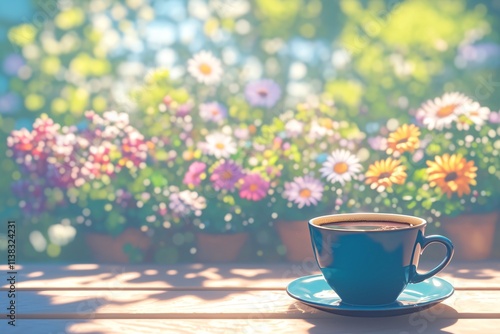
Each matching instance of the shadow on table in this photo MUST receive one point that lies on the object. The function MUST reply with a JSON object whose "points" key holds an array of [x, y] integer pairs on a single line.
{"points": [[87, 291], [472, 270], [478, 270], [92, 276], [430, 320]]}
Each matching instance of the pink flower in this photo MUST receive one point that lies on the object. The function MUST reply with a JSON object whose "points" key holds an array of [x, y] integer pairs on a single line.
{"points": [[98, 161], [194, 172], [254, 187], [44, 129], [21, 141], [495, 117], [134, 148], [378, 143]]}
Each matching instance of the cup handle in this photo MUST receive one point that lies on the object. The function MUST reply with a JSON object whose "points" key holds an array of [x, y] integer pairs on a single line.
{"points": [[449, 253]]}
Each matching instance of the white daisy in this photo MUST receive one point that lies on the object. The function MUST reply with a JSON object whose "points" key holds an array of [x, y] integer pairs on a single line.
{"points": [[442, 111], [213, 111], [340, 167], [294, 128], [205, 68], [304, 191], [471, 114], [220, 145]]}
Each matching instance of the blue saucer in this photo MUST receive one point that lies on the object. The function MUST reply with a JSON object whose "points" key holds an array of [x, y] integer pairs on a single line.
{"points": [[314, 291]]}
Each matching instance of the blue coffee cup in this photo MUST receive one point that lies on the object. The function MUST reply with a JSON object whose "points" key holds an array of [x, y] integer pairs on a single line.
{"points": [[372, 267]]}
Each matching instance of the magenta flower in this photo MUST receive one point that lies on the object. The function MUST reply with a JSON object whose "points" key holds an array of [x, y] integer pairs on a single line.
{"points": [[183, 110], [254, 187], [193, 175], [262, 93], [226, 175]]}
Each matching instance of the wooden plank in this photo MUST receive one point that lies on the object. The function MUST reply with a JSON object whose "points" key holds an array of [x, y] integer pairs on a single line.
{"points": [[463, 275], [333, 324], [109, 304]]}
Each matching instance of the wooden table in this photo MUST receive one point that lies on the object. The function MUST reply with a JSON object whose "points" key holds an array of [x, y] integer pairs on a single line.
{"points": [[239, 298]]}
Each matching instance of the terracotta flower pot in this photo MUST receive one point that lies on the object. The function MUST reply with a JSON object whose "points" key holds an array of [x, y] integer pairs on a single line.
{"points": [[471, 234], [106, 248], [220, 247], [296, 238]]}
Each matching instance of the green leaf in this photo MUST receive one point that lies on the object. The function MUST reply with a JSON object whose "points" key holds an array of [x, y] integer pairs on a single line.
{"points": [[411, 205], [161, 155], [427, 204], [158, 180]]}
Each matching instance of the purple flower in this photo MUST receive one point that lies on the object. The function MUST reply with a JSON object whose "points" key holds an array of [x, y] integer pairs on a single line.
{"points": [[480, 53], [183, 110], [226, 175], [194, 172], [9, 103], [59, 175], [12, 64], [124, 198], [262, 93], [31, 195]]}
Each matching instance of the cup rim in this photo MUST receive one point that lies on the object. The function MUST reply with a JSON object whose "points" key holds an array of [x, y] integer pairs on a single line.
{"points": [[416, 222]]}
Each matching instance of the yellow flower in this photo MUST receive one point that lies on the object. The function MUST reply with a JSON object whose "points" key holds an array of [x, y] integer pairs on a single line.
{"points": [[452, 173], [404, 139], [384, 173]]}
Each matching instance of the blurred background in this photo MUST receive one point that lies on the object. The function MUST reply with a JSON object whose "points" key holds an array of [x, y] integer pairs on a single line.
{"points": [[234, 118]]}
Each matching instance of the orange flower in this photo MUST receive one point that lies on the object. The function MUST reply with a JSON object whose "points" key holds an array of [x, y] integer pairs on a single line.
{"points": [[452, 173], [404, 139], [384, 173]]}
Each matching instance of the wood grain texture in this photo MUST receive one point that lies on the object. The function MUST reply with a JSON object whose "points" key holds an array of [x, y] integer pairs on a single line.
{"points": [[92, 299], [395, 325], [212, 304], [463, 275]]}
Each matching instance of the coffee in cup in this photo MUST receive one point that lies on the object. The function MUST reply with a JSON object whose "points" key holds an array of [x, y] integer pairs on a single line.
{"points": [[370, 258]]}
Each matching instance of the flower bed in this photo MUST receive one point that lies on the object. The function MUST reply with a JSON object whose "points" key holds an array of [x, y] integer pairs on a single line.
{"points": [[242, 118]]}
